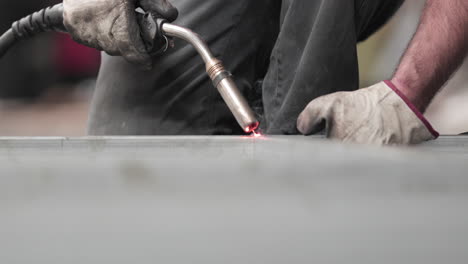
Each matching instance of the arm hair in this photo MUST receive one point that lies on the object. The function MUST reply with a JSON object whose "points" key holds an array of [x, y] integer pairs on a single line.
{"points": [[437, 50]]}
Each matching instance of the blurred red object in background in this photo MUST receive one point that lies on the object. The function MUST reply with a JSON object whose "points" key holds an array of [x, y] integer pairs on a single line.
{"points": [[73, 59]]}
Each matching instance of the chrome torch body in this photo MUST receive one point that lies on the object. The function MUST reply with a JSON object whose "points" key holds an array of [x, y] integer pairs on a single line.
{"points": [[221, 78]]}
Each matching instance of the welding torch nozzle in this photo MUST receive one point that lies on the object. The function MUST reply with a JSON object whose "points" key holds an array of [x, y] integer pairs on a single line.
{"points": [[221, 78]]}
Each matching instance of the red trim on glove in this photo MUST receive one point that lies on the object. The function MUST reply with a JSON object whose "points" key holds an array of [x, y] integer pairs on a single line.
{"points": [[413, 108]]}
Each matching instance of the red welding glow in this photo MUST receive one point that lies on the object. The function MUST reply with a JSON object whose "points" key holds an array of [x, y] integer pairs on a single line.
{"points": [[252, 127], [256, 134]]}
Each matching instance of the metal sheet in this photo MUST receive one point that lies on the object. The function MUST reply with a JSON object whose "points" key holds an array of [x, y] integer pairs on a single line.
{"points": [[231, 200]]}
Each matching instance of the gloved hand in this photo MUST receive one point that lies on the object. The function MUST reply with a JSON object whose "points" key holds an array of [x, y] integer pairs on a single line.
{"points": [[111, 25], [380, 115]]}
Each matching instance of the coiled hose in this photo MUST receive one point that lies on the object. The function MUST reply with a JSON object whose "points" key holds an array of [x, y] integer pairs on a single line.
{"points": [[47, 19]]}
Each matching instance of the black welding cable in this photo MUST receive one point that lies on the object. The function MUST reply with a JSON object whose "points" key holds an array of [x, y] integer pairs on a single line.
{"points": [[7, 41], [47, 19], [51, 19]]}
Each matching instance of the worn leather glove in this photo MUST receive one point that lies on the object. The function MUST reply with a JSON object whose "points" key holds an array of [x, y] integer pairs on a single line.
{"points": [[111, 25], [379, 115]]}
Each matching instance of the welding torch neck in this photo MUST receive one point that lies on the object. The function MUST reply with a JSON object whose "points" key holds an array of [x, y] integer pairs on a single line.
{"points": [[221, 78], [191, 37]]}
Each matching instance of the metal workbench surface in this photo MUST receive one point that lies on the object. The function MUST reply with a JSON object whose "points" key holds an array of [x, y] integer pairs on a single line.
{"points": [[244, 155], [231, 200]]}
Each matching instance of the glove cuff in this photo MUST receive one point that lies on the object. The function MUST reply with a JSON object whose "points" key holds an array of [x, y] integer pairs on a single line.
{"points": [[413, 108]]}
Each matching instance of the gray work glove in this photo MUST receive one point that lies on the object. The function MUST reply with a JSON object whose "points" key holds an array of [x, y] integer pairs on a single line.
{"points": [[379, 115], [111, 25]]}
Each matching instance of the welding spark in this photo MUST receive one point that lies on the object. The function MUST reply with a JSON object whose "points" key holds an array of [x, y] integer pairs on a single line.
{"points": [[252, 127], [256, 134]]}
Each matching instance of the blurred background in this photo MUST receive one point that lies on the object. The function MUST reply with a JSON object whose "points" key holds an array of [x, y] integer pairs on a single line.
{"points": [[47, 82]]}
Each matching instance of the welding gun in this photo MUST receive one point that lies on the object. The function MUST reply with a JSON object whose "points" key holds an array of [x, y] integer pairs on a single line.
{"points": [[51, 19]]}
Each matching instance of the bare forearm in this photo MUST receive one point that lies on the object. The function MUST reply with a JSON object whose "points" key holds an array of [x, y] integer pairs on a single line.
{"points": [[436, 51]]}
